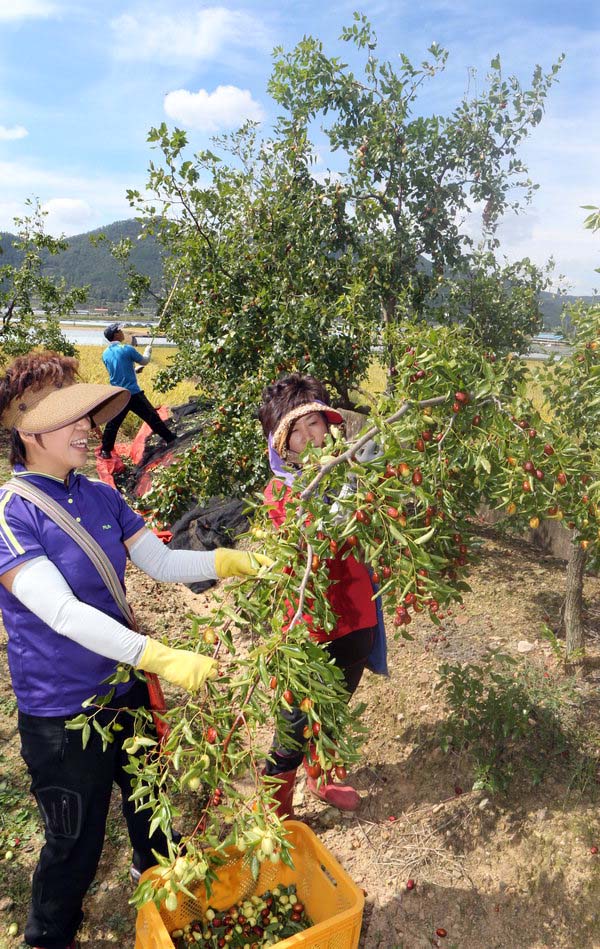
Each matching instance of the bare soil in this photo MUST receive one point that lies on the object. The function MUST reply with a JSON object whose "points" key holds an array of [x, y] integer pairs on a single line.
{"points": [[508, 871]]}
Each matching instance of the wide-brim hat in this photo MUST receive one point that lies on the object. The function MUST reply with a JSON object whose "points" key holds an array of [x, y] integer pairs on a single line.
{"points": [[49, 408], [282, 432]]}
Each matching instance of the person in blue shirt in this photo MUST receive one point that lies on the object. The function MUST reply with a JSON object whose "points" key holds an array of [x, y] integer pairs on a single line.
{"points": [[120, 360]]}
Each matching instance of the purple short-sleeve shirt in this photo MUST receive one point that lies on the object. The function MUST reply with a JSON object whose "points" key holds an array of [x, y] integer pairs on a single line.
{"points": [[53, 675]]}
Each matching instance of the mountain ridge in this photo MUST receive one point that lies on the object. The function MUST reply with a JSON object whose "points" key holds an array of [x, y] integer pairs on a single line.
{"points": [[85, 263]]}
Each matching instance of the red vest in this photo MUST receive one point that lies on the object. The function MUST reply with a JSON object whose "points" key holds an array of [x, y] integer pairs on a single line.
{"points": [[350, 590]]}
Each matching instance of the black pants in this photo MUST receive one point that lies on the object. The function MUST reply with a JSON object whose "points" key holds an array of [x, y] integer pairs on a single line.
{"points": [[140, 406], [350, 653], [72, 787]]}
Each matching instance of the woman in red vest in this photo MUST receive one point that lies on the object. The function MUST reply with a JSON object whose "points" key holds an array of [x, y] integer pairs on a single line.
{"points": [[295, 411]]}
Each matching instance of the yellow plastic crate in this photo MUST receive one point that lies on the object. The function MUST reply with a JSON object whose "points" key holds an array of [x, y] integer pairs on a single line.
{"points": [[332, 899]]}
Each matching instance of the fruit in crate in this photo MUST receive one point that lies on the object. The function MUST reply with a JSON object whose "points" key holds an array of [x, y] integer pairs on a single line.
{"points": [[258, 921]]}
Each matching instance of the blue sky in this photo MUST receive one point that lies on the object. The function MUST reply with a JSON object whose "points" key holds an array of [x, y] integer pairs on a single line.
{"points": [[82, 81]]}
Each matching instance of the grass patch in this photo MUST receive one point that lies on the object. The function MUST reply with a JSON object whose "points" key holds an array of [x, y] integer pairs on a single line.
{"points": [[514, 720], [18, 811]]}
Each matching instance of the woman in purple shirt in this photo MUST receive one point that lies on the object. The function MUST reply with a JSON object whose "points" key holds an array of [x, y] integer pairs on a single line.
{"points": [[66, 634]]}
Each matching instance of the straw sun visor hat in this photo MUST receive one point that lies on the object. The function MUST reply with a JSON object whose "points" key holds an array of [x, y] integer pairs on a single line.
{"points": [[37, 411], [282, 432]]}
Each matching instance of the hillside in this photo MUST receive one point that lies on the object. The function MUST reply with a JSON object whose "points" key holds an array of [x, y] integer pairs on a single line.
{"points": [[552, 307], [83, 263]]}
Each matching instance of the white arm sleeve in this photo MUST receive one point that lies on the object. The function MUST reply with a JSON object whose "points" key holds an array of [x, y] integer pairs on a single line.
{"points": [[41, 587], [172, 566], [147, 354]]}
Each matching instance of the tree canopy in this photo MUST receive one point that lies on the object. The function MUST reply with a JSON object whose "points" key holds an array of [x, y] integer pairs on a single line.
{"points": [[275, 267], [25, 288]]}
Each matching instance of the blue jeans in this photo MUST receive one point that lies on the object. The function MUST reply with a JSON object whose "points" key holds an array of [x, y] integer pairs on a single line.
{"points": [[72, 786]]}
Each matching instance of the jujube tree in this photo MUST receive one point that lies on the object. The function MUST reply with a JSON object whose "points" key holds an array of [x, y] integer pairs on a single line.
{"points": [[443, 443], [278, 268]]}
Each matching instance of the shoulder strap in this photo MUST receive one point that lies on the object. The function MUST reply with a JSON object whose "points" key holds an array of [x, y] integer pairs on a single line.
{"points": [[79, 534]]}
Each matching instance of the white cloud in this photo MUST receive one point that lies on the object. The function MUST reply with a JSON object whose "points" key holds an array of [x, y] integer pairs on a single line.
{"points": [[9, 210], [67, 215], [226, 107], [15, 10], [191, 37], [94, 201], [563, 155], [327, 176], [8, 134]]}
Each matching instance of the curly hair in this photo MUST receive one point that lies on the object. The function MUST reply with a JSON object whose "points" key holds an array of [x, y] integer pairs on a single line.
{"points": [[287, 393], [33, 371]]}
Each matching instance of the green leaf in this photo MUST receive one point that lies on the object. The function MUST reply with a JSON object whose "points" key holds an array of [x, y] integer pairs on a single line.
{"points": [[139, 793], [425, 537], [155, 823], [396, 533]]}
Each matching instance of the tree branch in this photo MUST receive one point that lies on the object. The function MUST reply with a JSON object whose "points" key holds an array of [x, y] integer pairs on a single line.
{"points": [[355, 446]]}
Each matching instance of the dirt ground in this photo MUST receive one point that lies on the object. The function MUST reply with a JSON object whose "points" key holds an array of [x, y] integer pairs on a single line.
{"points": [[503, 871]]}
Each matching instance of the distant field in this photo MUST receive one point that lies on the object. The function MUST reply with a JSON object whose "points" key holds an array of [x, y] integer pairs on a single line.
{"points": [[92, 370], [377, 378]]}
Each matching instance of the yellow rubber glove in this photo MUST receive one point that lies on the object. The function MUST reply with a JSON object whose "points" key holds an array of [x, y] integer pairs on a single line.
{"points": [[239, 563], [179, 666]]}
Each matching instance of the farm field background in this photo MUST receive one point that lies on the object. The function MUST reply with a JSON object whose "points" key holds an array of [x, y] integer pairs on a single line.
{"points": [[92, 370]]}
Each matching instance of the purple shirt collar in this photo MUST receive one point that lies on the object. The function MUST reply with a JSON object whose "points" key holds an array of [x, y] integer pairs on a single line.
{"points": [[48, 482]]}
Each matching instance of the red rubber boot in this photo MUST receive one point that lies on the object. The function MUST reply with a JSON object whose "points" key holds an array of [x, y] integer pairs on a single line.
{"points": [[342, 796], [283, 792]]}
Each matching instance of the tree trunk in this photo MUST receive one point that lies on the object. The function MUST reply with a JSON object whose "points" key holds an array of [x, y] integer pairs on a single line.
{"points": [[573, 607]]}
